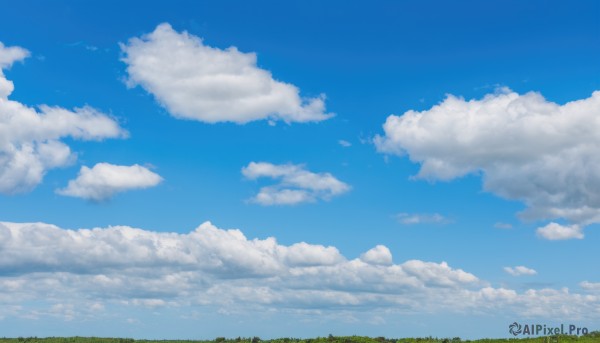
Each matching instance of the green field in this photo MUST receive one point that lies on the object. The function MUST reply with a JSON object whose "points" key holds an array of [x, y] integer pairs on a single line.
{"points": [[592, 337]]}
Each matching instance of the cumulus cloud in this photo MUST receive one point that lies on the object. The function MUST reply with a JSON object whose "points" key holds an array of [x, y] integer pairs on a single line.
{"points": [[8, 56], [378, 255], [50, 271], [195, 81], [590, 286], [120, 256], [555, 232], [525, 147], [415, 218], [296, 184], [519, 270], [304, 254], [30, 139], [104, 180]]}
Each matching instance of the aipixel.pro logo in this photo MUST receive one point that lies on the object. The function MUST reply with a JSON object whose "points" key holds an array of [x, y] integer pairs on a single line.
{"points": [[516, 329]]}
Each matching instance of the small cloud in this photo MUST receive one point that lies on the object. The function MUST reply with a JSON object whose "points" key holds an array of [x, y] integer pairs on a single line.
{"points": [[590, 286], [344, 143], [415, 218], [365, 140], [297, 185], [556, 232], [149, 303], [519, 270], [104, 180], [504, 226], [378, 255], [82, 44]]}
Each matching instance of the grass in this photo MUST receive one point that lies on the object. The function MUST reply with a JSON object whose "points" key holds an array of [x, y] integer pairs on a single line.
{"points": [[591, 338]]}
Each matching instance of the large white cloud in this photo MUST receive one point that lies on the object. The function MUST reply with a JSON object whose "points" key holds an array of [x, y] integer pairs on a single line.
{"points": [[297, 185], [50, 271], [525, 147], [208, 252], [104, 180], [195, 81], [30, 139]]}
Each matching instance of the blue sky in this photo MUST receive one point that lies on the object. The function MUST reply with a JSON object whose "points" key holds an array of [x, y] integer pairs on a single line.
{"points": [[399, 140]]}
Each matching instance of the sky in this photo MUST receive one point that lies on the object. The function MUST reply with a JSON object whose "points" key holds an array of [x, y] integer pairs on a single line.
{"points": [[194, 169]]}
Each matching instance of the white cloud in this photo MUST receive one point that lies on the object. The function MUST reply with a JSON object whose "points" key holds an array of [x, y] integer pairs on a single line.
{"points": [[8, 56], [414, 218], [304, 254], [554, 231], [378, 255], [344, 143], [49, 271], [296, 185], [590, 286], [30, 140], [195, 81], [519, 270], [104, 180], [438, 274], [119, 257], [525, 147]]}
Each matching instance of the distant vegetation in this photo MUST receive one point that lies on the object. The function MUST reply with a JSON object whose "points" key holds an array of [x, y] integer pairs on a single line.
{"points": [[593, 337]]}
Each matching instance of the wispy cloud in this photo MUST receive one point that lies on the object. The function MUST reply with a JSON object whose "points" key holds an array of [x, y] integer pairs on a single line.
{"points": [[519, 270], [296, 184], [421, 218], [344, 143]]}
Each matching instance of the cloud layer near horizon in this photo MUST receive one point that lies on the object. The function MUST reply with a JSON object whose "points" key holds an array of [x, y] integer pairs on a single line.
{"points": [[30, 140], [199, 82], [525, 147], [224, 269]]}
